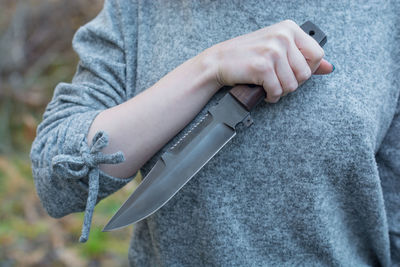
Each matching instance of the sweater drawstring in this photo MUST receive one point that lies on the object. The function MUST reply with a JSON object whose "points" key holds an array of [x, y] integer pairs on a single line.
{"points": [[87, 164]]}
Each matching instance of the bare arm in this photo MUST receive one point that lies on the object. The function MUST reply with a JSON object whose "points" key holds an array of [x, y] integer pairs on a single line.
{"points": [[161, 112]]}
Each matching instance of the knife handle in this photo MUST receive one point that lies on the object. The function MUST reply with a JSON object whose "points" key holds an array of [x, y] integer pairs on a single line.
{"points": [[250, 95]]}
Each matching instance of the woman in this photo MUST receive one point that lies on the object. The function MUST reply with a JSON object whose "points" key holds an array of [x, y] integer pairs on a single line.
{"points": [[301, 186]]}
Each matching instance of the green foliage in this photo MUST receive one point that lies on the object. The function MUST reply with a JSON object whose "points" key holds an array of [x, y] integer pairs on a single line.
{"points": [[95, 246]]}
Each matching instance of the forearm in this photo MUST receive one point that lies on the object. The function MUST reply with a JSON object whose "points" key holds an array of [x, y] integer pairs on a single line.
{"points": [[142, 125]]}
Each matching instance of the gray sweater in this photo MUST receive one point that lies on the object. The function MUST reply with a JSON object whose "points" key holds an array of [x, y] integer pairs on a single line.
{"points": [[315, 181]]}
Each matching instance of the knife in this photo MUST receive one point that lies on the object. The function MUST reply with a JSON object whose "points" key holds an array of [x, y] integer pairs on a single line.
{"points": [[190, 153]]}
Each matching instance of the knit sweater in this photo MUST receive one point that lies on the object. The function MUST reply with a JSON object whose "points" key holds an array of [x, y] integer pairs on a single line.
{"points": [[315, 181]]}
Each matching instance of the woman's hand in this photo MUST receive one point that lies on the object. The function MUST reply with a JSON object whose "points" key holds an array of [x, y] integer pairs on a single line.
{"points": [[279, 57]]}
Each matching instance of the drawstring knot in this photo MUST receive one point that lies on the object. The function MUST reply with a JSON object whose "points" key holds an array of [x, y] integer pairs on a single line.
{"points": [[87, 164]]}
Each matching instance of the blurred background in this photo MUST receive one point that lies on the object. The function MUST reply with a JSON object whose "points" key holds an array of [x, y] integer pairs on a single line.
{"points": [[36, 54]]}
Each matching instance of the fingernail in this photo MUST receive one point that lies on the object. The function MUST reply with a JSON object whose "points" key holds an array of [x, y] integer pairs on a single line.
{"points": [[333, 67]]}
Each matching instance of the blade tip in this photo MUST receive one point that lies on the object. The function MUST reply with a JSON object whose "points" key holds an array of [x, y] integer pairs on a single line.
{"points": [[110, 226], [106, 228]]}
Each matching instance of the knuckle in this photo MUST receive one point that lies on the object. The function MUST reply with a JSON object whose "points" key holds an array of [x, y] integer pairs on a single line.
{"points": [[304, 75], [268, 68], [318, 55], [290, 22], [259, 65], [284, 38], [292, 86], [274, 53], [275, 92], [273, 99]]}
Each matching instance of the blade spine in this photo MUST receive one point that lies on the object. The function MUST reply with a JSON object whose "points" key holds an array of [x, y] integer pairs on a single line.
{"points": [[178, 189], [172, 148]]}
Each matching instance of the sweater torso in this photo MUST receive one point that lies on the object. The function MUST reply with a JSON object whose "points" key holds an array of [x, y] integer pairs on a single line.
{"points": [[301, 185]]}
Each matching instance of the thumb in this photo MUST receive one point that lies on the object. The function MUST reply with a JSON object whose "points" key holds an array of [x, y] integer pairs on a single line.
{"points": [[324, 67]]}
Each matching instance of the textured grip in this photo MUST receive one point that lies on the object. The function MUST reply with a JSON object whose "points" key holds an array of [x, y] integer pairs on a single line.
{"points": [[250, 95]]}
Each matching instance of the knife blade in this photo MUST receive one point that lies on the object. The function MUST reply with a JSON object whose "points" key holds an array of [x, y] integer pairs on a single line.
{"points": [[190, 153]]}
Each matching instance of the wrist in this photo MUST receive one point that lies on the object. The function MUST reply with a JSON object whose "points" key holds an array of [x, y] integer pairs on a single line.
{"points": [[208, 64]]}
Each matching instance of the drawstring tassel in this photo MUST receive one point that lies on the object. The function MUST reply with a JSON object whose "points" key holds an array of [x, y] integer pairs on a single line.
{"points": [[87, 164]]}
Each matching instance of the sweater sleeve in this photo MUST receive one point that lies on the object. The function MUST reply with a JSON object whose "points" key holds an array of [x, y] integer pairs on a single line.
{"points": [[388, 160], [65, 168]]}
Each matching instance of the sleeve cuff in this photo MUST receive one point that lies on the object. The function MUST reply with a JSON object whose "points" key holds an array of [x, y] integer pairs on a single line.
{"points": [[85, 168]]}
